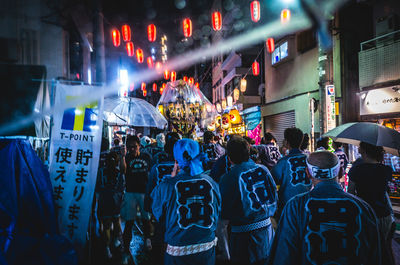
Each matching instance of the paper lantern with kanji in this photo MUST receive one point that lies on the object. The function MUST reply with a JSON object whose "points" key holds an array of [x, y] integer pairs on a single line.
{"points": [[285, 15], [197, 85], [126, 33], [143, 86], [144, 92], [151, 32], [166, 75], [255, 11], [270, 45], [229, 101], [236, 94], [139, 55], [256, 68], [191, 81], [173, 76], [243, 85], [116, 37], [185, 78], [130, 48], [234, 116], [187, 27], [150, 62], [216, 21], [154, 87]]}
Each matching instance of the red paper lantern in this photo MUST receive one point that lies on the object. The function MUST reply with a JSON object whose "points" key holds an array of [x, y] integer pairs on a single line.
{"points": [[130, 49], [197, 85], [144, 93], [143, 86], [216, 21], [255, 11], [166, 75], [285, 15], [116, 37], [139, 55], [256, 68], [150, 62], [162, 88], [154, 87], [191, 81], [270, 45], [126, 33], [151, 32], [185, 78], [187, 27], [173, 76]]}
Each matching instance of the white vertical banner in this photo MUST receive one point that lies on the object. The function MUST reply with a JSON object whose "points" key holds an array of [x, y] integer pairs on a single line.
{"points": [[74, 158], [330, 113]]}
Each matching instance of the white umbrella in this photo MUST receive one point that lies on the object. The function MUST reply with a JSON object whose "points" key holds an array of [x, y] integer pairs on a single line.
{"points": [[132, 111], [372, 133]]}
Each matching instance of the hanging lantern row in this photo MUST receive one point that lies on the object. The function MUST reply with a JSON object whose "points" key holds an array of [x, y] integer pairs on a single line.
{"points": [[255, 11], [151, 32], [130, 48], [216, 21], [256, 68]]}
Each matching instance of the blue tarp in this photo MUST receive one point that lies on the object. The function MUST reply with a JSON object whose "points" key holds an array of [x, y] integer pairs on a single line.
{"points": [[28, 224]]}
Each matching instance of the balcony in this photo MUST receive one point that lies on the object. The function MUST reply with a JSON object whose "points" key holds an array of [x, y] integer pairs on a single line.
{"points": [[379, 60]]}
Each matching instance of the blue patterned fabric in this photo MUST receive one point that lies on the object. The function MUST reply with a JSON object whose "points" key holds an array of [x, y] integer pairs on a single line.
{"points": [[290, 174], [326, 226]]}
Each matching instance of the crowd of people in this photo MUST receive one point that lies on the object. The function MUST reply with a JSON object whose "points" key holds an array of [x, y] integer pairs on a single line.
{"points": [[229, 201]]}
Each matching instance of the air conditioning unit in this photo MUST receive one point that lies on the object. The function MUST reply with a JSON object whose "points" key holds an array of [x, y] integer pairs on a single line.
{"points": [[386, 25]]}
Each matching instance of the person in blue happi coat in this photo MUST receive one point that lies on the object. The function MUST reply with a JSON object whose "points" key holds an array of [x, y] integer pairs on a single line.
{"points": [[249, 199], [188, 204], [290, 171], [326, 225]]}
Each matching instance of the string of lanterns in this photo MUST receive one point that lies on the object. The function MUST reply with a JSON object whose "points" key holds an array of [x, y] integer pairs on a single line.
{"points": [[187, 28]]}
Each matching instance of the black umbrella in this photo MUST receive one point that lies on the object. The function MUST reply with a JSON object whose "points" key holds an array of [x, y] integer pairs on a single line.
{"points": [[372, 133]]}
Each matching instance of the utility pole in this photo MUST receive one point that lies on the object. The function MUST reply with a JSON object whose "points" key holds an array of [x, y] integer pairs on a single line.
{"points": [[98, 36]]}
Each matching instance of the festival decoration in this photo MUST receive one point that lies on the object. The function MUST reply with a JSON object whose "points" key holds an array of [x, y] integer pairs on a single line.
{"points": [[154, 87], [139, 55], [144, 93], [143, 86], [270, 45], [285, 15], [236, 94], [256, 68], [216, 21], [243, 85], [173, 76], [185, 107], [151, 32], [191, 81], [130, 49], [187, 27], [126, 33], [197, 85], [150, 62], [255, 11], [116, 37], [229, 101], [166, 75], [185, 78]]}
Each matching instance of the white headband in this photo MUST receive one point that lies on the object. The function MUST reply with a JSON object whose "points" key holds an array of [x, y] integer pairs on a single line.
{"points": [[323, 173]]}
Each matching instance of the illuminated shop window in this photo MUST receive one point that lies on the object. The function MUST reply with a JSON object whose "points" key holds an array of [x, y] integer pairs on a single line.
{"points": [[280, 53]]}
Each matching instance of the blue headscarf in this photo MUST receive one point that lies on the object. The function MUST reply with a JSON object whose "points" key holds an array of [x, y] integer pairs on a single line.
{"points": [[189, 157]]}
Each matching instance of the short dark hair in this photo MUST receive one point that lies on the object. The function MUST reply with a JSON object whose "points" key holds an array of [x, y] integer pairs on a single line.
{"points": [[305, 142], [268, 137], [249, 140], [294, 136], [116, 141], [170, 140], [238, 150], [372, 151], [133, 139], [208, 136], [323, 142]]}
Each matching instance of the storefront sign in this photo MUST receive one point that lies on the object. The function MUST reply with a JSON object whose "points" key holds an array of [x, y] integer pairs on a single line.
{"points": [[74, 159], [379, 101], [330, 108]]}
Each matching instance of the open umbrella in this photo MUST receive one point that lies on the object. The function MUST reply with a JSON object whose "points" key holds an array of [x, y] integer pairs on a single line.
{"points": [[132, 111], [372, 133]]}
